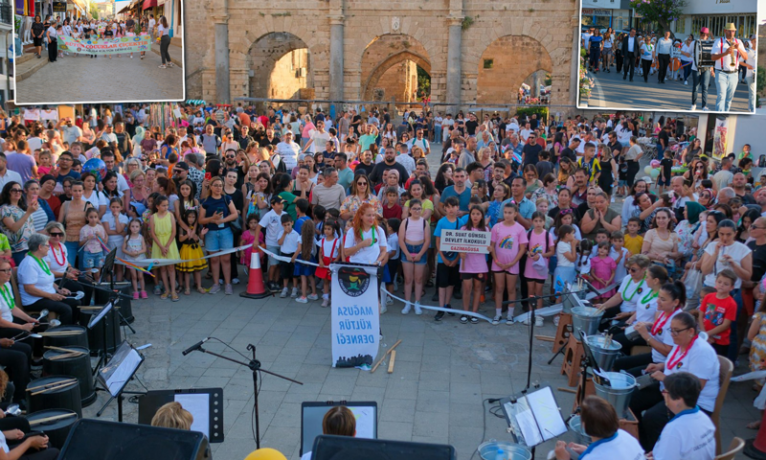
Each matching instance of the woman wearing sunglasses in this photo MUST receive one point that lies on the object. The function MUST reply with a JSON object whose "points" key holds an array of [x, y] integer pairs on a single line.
{"points": [[16, 219], [361, 192], [631, 290], [58, 262], [691, 354]]}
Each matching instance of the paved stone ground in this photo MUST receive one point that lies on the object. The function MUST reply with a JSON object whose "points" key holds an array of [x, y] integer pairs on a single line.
{"points": [[443, 371], [614, 92], [79, 79]]}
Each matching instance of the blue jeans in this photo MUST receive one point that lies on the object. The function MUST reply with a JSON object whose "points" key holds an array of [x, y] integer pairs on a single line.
{"points": [[71, 248], [750, 93], [733, 339], [687, 69], [437, 134], [726, 83], [700, 78]]}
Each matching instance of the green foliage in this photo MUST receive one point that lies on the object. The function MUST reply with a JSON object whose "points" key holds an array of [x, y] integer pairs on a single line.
{"points": [[93, 10], [542, 112], [760, 84], [548, 79], [424, 83], [467, 22]]}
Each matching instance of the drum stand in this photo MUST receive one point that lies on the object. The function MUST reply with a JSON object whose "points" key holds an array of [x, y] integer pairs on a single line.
{"points": [[255, 366]]}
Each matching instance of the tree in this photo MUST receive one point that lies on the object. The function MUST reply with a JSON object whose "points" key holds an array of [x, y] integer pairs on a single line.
{"points": [[424, 83], [663, 12], [94, 10]]}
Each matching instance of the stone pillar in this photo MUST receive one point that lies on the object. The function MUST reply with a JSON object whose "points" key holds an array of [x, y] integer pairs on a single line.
{"points": [[222, 87], [336, 56], [574, 68], [454, 64]]}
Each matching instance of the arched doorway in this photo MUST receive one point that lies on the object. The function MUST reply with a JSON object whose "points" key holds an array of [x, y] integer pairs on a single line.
{"points": [[395, 66], [505, 66], [280, 65]]}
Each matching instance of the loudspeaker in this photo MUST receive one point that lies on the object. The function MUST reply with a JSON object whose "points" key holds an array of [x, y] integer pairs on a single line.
{"points": [[328, 447], [125, 441]]}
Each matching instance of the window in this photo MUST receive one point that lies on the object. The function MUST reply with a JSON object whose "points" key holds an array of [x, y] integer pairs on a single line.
{"points": [[489, 63]]}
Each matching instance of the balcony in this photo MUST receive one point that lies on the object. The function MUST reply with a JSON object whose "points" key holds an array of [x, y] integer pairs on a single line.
{"points": [[6, 14]]}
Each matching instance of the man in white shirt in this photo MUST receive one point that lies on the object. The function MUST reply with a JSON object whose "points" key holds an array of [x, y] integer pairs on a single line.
{"points": [[726, 52], [447, 123], [525, 132], [663, 55], [317, 137], [700, 76], [288, 151], [6, 175], [70, 132]]}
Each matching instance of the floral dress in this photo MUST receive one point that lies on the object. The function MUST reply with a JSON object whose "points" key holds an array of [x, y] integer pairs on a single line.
{"points": [[18, 239], [758, 347]]}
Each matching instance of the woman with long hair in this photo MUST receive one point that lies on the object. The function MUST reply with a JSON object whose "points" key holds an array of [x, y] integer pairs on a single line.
{"points": [[607, 53], [16, 219], [566, 172], [217, 211], [361, 192], [444, 177], [365, 243], [163, 29]]}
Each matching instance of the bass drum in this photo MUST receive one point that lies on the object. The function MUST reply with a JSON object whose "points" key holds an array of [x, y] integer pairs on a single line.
{"points": [[703, 50]]}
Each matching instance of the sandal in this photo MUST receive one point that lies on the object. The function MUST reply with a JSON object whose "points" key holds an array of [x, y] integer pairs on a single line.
{"points": [[201, 290], [164, 296], [174, 298], [187, 291]]}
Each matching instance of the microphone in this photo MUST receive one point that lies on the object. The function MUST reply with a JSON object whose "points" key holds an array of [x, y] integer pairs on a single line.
{"points": [[195, 346]]}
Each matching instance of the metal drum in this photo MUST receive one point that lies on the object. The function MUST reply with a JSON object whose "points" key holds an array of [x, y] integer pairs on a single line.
{"points": [[96, 335], [54, 392], [605, 356], [703, 51], [586, 319], [72, 336], [618, 391], [57, 429], [76, 366]]}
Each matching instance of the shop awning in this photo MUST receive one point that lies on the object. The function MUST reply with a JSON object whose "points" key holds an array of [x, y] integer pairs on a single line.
{"points": [[149, 4]]}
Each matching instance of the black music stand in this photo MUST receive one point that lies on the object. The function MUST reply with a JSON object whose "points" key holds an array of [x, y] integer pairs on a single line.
{"points": [[153, 400], [108, 268], [99, 318], [116, 374]]}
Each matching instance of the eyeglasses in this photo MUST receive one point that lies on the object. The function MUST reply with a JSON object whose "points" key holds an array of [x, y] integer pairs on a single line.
{"points": [[55, 235], [230, 156], [754, 227], [678, 331], [416, 209], [6, 270], [634, 269], [361, 183], [15, 190]]}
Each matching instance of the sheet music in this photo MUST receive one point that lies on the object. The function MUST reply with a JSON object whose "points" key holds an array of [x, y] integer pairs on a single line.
{"points": [[546, 413], [123, 372], [529, 430], [198, 404]]}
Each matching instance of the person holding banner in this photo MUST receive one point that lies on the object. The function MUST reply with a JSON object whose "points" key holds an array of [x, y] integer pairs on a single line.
{"points": [[367, 242], [50, 38]]}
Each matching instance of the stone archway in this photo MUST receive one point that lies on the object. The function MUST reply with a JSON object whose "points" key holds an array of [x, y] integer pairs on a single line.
{"points": [[280, 65], [389, 68], [505, 64]]}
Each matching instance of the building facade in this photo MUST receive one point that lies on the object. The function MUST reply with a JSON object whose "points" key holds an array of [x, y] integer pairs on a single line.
{"points": [[616, 14], [715, 14], [475, 52]]}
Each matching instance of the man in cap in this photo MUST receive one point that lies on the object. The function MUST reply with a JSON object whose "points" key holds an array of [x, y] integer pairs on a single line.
{"points": [[726, 52], [700, 75]]}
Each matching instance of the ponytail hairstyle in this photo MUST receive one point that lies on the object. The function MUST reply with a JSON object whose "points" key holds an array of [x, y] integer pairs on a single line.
{"points": [[307, 239], [677, 291], [660, 273]]}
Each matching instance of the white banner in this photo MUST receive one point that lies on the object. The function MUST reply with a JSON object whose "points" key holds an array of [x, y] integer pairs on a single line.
{"points": [[465, 241], [355, 317]]}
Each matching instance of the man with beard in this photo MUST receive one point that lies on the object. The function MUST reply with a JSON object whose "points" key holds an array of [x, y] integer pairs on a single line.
{"points": [[244, 137], [738, 183], [579, 194], [366, 165], [727, 52], [268, 138], [499, 177], [230, 163], [389, 162], [288, 151]]}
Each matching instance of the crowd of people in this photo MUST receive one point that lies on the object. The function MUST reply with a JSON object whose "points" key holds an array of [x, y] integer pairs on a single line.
{"points": [[47, 33], [684, 254], [673, 59]]}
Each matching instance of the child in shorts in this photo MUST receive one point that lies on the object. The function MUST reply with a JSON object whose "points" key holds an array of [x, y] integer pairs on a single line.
{"points": [[91, 237]]}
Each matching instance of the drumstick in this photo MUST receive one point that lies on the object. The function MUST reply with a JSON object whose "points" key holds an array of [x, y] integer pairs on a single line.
{"points": [[384, 355], [60, 333], [95, 308], [73, 354], [50, 419], [51, 384], [65, 350], [59, 387]]}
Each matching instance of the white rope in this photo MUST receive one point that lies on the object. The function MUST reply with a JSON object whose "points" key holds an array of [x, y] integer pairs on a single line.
{"points": [[445, 310], [163, 262]]}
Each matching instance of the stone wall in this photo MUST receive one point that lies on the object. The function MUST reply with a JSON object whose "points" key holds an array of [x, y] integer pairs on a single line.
{"points": [[543, 29]]}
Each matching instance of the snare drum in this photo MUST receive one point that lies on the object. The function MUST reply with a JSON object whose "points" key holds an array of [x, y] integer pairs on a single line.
{"points": [[59, 391], [71, 336], [57, 430], [703, 51], [76, 366]]}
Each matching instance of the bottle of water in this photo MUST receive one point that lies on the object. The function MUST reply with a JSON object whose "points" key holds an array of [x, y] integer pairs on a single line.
{"points": [[500, 455]]}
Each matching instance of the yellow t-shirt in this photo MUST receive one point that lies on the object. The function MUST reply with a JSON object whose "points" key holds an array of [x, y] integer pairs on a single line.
{"points": [[634, 244]]}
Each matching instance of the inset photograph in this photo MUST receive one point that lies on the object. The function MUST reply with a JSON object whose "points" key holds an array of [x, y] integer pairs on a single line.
{"points": [[99, 51], [669, 55]]}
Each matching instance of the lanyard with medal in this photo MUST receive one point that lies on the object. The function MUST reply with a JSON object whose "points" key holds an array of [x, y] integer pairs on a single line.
{"points": [[7, 296], [637, 291], [661, 321], [678, 363]]}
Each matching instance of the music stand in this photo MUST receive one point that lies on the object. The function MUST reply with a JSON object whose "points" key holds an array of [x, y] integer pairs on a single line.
{"points": [[533, 417], [205, 404], [94, 320], [116, 374]]}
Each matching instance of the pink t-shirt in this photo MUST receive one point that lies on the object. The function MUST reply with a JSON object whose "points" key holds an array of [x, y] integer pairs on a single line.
{"points": [[538, 241], [507, 240], [473, 263]]}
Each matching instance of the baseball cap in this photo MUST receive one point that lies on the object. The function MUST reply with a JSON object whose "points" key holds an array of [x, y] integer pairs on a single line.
{"points": [[181, 165], [277, 199], [704, 30]]}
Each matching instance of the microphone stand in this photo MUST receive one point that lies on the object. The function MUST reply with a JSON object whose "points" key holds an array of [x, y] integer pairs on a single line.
{"points": [[255, 366]]}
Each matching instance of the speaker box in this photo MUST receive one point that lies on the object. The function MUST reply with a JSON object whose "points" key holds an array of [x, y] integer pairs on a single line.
{"points": [[97, 439], [328, 447]]}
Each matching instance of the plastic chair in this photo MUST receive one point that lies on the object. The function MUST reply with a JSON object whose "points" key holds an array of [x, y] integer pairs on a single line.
{"points": [[724, 377], [736, 446]]}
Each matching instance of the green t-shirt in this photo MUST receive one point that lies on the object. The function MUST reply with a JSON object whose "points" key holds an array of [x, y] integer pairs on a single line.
{"points": [[290, 204], [4, 244], [366, 141]]}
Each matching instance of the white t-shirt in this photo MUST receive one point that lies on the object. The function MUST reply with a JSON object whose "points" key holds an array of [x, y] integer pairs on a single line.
{"points": [[4, 444], [327, 247], [289, 153], [664, 45], [319, 139], [629, 290], [162, 30], [621, 272], [561, 249], [621, 445], [701, 361], [368, 254], [96, 199], [720, 46], [35, 143], [61, 254], [272, 222], [291, 241], [737, 251], [646, 307], [664, 336], [690, 434], [5, 309], [30, 272], [152, 22]]}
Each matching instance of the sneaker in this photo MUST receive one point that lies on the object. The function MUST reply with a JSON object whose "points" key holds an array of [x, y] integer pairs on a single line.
{"points": [[439, 315], [383, 309], [509, 321], [136, 295], [144, 295], [389, 301], [228, 290], [705, 109], [325, 303], [418, 310], [686, 82], [235, 281], [556, 320], [693, 107], [283, 294], [406, 309], [539, 321], [496, 320], [464, 319], [294, 294], [448, 306], [474, 320], [215, 289], [302, 299], [313, 297]]}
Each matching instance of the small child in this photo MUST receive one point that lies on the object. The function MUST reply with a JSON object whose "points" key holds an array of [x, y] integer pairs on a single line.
{"points": [[718, 311], [447, 269], [93, 253], [134, 248], [566, 255], [191, 252], [542, 206], [162, 229], [392, 210], [248, 237], [622, 182], [473, 266], [329, 247], [394, 262], [288, 241], [306, 251], [565, 217], [634, 241], [541, 248], [116, 225], [757, 336], [602, 236], [301, 211], [620, 255], [582, 266], [44, 163], [603, 270], [272, 222], [508, 245], [666, 168]]}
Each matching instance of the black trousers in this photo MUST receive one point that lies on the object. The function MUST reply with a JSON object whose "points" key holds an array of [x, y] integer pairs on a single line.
{"points": [[66, 309], [633, 365], [633, 168], [53, 49], [50, 453], [663, 62], [629, 64], [618, 59], [164, 45], [646, 65], [16, 360], [75, 286]]}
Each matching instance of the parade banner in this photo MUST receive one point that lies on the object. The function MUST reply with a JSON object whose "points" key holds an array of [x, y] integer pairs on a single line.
{"points": [[355, 317], [106, 46], [465, 241]]}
